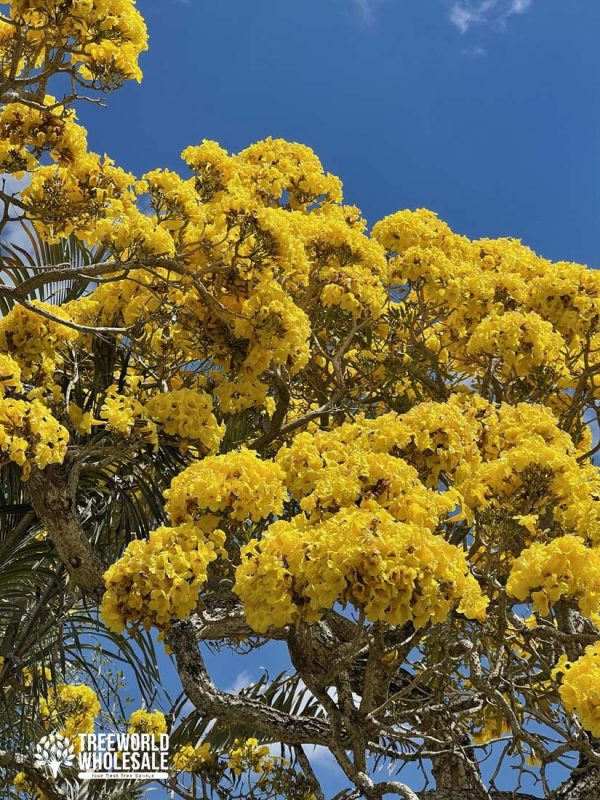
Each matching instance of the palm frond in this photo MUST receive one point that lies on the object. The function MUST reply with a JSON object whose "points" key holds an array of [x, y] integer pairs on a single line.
{"points": [[285, 693], [20, 261], [43, 623]]}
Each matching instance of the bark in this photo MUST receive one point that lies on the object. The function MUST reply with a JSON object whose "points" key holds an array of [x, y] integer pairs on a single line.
{"points": [[35, 776], [319, 652], [585, 786], [223, 618], [462, 794], [294, 729], [582, 786], [456, 770], [53, 496]]}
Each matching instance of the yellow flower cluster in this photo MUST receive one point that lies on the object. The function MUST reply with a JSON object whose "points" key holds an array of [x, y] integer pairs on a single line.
{"points": [[491, 726], [124, 413], [568, 295], [152, 722], [10, 374], [193, 759], [506, 312], [23, 784], [29, 434], [173, 199], [212, 167], [277, 331], [86, 197], [438, 438], [237, 486], [579, 687], [405, 229], [132, 235], [563, 567], [279, 166], [540, 476], [187, 414], [503, 477], [241, 394], [103, 37], [34, 342], [25, 133], [349, 268], [72, 705], [158, 580], [393, 571], [248, 756], [80, 420], [329, 470], [522, 342], [497, 457]]}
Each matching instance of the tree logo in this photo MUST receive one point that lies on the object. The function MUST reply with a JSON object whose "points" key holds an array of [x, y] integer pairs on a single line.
{"points": [[53, 752]]}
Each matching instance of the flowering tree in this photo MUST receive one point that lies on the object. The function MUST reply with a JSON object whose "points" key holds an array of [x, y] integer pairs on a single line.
{"points": [[374, 446]]}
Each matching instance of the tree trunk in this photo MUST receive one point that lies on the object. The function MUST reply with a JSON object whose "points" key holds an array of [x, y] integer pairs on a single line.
{"points": [[53, 496]]}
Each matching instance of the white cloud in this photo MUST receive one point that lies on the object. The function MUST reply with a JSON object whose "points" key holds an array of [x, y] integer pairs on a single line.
{"points": [[242, 680], [321, 755], [365, 9], [466, 13], [477, 51], [520, 6], [14, 233], [462, 18], [463, 14]]}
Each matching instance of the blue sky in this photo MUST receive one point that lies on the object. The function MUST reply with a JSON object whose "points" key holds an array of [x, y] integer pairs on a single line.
{"points": [[487, 111]]}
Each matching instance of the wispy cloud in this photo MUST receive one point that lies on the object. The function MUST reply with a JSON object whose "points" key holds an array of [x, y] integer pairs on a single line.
{"points": [[322, 756], [242, 680], [466, 13], [463, 14], [14, 233], [477, 51], [365, 10]]}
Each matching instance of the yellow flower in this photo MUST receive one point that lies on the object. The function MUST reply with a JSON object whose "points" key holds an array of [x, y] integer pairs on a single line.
{"points": [[394, 571], [29, 434], [579, 687], [72, 706], [187, 414], [564, 567], [238, 484], [158, 580], [247, 755], [193, 759], [143, 721]]}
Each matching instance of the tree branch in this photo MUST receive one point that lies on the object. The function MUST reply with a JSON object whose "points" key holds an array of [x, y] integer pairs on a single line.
{"points": [[234, 709], [36, 776], [53, 496]]}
